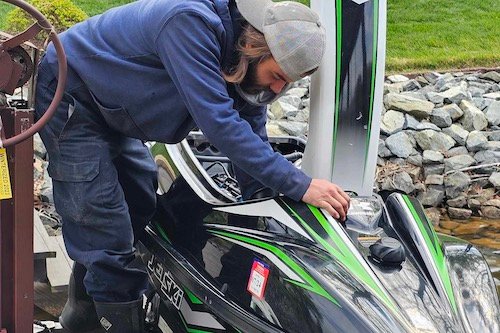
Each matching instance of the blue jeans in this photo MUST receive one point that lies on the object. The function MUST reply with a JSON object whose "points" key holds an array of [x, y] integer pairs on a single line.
{"points": [[104, 189]]}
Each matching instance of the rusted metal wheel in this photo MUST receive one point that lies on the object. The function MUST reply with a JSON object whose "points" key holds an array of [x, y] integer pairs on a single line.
{"points": [[13, 66]]}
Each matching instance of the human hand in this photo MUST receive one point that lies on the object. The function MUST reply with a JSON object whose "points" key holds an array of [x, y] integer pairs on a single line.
{"points": [[323, 194]]}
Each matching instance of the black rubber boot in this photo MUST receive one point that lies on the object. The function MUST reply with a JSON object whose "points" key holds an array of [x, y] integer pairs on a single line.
{"points": [[127, 317], [79, 314]]}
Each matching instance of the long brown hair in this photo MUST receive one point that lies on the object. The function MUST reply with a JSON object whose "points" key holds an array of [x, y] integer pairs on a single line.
{"points": [[252, 48]]}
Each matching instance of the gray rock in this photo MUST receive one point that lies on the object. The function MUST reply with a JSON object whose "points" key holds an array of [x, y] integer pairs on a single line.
{"points": [[397, 78], [453, 110], [476, 92], [425, 125], [415, 94], [306, 103], [456, 183], [487, 156], [493, 76], [435, 97], [3, 99], [432, 77], [492, 202], [459, 213], [39, 147], [491, 145], [455, 95], [415, 159], [493, 113], [481, 84], [491, 212], [480, 182], [443, 80], [46, 193], [474, 204], [494, 135], [291, 114], [444, 86], [270, 115], [485, 194], [400, 144], [273, 129], [383, 151], [495, 179], [280, 108], [441, 118], [302, 83], [458, 202], [298, 92], [411, 85], [472, 78], [433, 169], [293, 128], [473, 118], [401, 181], [458, 162], [432, 197], [392, 88], [407, 104], [302, 115], [434, 180], [481, 103], [494, 95], [457, 132], [460, 150], [475, 141], [422, 81], [432, 140], [431, 156], [419, 187], [398, 161], [392, 122], [291, 100], [411, 122]]}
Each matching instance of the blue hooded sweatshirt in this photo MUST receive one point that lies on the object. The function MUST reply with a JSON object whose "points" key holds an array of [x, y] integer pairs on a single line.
{"points": [[154, 67]]}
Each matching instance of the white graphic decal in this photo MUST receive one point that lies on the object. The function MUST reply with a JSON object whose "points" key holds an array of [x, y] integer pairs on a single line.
{"points": [[168, 286], [359, 2]]}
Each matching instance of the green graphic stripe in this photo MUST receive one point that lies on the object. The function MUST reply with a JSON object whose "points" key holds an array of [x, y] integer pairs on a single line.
{"points": [[343, 254], [192, 330], [437, 253], [192, 297], [162, 232], [338, 73], [374, 74], [312, 284]]}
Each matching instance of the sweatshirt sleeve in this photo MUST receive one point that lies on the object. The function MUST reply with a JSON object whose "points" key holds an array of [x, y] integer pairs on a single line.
{"points": [[256, 116], [191, 53]]}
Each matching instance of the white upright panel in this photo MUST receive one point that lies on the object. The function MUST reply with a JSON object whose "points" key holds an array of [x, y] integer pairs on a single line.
{"points": [[346, 94]]}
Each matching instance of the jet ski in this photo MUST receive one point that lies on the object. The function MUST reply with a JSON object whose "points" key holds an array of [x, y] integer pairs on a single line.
{"points": [[271, 264]]}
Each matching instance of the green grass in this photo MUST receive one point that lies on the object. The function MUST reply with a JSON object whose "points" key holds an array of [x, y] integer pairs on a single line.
{"points": [[422, 35], [94, 7], [442, 34]]}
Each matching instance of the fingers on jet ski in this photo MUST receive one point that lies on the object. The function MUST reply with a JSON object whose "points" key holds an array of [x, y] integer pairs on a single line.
{"points": [[323, 194]]}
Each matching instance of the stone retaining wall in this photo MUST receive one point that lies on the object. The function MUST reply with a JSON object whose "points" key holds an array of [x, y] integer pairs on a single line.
{"points": [[440, 139]]}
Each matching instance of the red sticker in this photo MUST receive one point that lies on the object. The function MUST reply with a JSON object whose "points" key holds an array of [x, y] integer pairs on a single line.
{"points": [[258, 279]]}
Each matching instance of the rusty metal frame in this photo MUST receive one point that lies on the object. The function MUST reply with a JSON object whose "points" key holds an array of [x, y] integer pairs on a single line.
{"points": [[16, 229]]}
